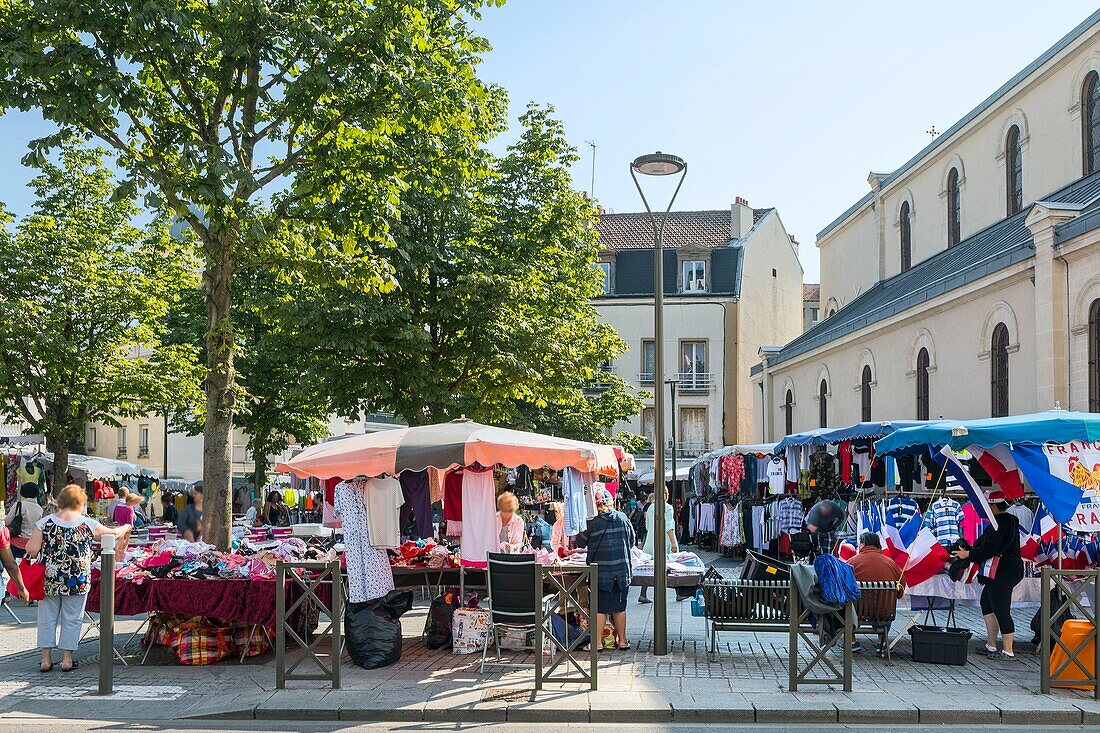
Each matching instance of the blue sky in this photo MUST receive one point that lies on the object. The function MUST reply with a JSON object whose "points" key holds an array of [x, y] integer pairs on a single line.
{"points": [[788, 104]]}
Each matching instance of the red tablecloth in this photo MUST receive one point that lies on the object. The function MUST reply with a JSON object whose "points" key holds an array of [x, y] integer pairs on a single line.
{"points": [[227, 599]]}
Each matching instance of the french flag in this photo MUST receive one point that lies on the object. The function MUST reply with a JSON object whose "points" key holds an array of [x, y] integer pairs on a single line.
{"points": [[1029, 546], [900, 539], [966, 481], [1059, 496], [926, 558], [1001, 467], [870, 520], [1044, 528]]}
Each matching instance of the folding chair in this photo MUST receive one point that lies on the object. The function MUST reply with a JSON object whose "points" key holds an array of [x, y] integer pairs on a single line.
{"points": [[511, 584], [6, 603]]}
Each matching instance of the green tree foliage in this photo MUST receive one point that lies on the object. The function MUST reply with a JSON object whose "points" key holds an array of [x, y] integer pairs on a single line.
{"points": [[219, 110], [83, 307], [491, 316], [280, 397]]}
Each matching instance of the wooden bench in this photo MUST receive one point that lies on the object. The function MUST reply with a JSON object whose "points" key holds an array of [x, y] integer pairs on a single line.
{"points": [[876, 610]]}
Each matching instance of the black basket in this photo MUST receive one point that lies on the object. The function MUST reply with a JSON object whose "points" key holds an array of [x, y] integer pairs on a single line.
{"points": [[940, 645]]}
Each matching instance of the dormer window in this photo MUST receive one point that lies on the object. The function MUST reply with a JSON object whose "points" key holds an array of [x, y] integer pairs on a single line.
{"points": [[695, 276], [605, 270]]}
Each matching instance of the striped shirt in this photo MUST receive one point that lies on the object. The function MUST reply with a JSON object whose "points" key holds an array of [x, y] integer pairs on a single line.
{"points": [[900, 510], [945, 517]]}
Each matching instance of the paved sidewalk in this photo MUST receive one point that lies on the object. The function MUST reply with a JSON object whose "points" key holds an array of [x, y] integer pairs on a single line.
{"points": [[745, 682]]}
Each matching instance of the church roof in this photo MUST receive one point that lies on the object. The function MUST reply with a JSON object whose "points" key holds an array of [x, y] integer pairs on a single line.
{"points": [[994, 248], [949, 134]]}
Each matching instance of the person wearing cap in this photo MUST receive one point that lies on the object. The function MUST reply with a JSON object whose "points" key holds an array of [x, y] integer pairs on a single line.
{"points": [[1000, 548], [609, 538]]}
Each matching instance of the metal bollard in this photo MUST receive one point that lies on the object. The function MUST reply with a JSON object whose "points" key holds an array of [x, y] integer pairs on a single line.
{"points": [[107, 616]]}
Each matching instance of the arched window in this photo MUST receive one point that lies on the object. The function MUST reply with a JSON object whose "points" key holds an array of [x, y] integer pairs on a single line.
{"points": [[865, 394], [788, 412], [823, 407], [1094, 356], [906, 237], [1014, 171], [999, 381], [1090, 122], [954, 223], [922, 384]]}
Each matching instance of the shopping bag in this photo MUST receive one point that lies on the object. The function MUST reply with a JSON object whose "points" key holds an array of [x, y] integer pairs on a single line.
{"points": [[34, 578]]}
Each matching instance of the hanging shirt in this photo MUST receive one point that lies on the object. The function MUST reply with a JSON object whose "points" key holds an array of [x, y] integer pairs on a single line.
{"points": [[1025, 515], [945, 517], [789, 514], [479, 517], [777, 476], [844, 452], [899, 510], [576, 508], [792, 457], [972, 524], [368, 569], [861, 460], [384, 500]]}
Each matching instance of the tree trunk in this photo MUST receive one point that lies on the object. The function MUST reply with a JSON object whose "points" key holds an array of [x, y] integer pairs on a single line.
{"points": [[259, 478], [60, 449], [221, 392]]}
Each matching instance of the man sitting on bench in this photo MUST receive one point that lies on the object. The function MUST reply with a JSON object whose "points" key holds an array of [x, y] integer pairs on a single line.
{"points": [[870, 565]]}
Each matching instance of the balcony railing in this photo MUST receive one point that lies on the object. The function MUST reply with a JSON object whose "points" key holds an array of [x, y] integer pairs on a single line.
{"points": [[121, 452], [692, 448], [645, 378], [602, 380], [695, 382], [387, 418]]}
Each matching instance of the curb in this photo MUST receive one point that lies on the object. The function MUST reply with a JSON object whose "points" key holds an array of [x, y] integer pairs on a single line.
{"points": [[766, 715]]}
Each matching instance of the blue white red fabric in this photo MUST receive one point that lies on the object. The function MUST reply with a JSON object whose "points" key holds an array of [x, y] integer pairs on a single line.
{"points": [[900, 539], [1001, 467], [1060, 497], [926, 558], [969, 485]]}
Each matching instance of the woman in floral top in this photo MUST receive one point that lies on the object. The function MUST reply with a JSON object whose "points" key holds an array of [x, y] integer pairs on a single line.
{"points": [[63, 542]]}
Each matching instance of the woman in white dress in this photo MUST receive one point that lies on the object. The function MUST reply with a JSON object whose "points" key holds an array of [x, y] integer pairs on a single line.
{"points": [[369, 572], [670, 544]]}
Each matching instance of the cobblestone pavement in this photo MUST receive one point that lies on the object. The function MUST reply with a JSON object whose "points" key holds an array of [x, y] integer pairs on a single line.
{"points": [[748, 674]]}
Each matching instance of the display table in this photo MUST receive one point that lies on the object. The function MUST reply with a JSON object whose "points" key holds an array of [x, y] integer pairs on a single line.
{"points": [[229, 599], [1027, 593]]}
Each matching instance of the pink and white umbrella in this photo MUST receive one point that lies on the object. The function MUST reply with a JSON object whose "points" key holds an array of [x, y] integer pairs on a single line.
{"points": [[444, 446]]}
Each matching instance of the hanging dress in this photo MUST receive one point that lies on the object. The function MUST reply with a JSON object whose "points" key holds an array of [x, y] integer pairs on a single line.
{"points": [[369, 572]]}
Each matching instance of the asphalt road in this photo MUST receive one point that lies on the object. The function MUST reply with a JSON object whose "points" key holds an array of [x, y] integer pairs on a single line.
{"points": [[35, 725]]}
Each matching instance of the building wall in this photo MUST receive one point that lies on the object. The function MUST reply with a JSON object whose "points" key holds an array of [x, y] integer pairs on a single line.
{"points": [[956, 329], [769, 313], [1045, 106], [849, 260], [1083, 259], [686, 318], [109, 442]]}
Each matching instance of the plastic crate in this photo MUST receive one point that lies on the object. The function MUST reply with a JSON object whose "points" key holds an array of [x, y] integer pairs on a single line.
{"points": [[940, 645]]}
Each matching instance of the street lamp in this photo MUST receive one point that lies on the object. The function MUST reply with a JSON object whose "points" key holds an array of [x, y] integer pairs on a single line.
{"points": [[672, 397], [659, 164]]}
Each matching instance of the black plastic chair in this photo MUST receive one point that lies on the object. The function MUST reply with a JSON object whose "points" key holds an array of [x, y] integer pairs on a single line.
{"points": [[511, 583]]}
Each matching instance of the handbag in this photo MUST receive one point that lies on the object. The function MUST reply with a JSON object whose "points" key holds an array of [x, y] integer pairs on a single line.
{"points": [[34, 578], [16, 525]]}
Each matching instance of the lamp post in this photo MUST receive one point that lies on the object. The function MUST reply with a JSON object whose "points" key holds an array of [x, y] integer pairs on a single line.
{"points": [[672, 404], [659, 164]]}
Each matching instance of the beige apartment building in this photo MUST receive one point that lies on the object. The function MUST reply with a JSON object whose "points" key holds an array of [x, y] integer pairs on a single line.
{"points": [[965, 283], [732, 282]]}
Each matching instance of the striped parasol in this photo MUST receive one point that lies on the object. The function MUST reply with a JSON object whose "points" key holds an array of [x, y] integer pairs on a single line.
{"points": [[443, 446]]}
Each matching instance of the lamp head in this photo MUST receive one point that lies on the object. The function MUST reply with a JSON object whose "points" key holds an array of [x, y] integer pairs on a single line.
{"points": [[658, 164]]}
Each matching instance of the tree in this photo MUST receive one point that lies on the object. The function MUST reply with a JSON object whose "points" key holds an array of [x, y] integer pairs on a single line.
{"points": [[83, 306], [494, 266], [280, 396], [216, 109], [588, 417]]}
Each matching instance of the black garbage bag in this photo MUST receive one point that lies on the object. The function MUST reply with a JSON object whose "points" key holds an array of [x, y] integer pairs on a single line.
{"points": [[373, 629], [1057, 598], [437, 628]]}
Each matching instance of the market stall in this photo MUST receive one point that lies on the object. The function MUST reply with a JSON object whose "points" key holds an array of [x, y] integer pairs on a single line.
{"points": [[375, 484]]}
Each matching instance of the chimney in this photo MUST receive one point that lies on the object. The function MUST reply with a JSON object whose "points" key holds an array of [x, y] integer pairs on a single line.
{"points": [[740, 218]]}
